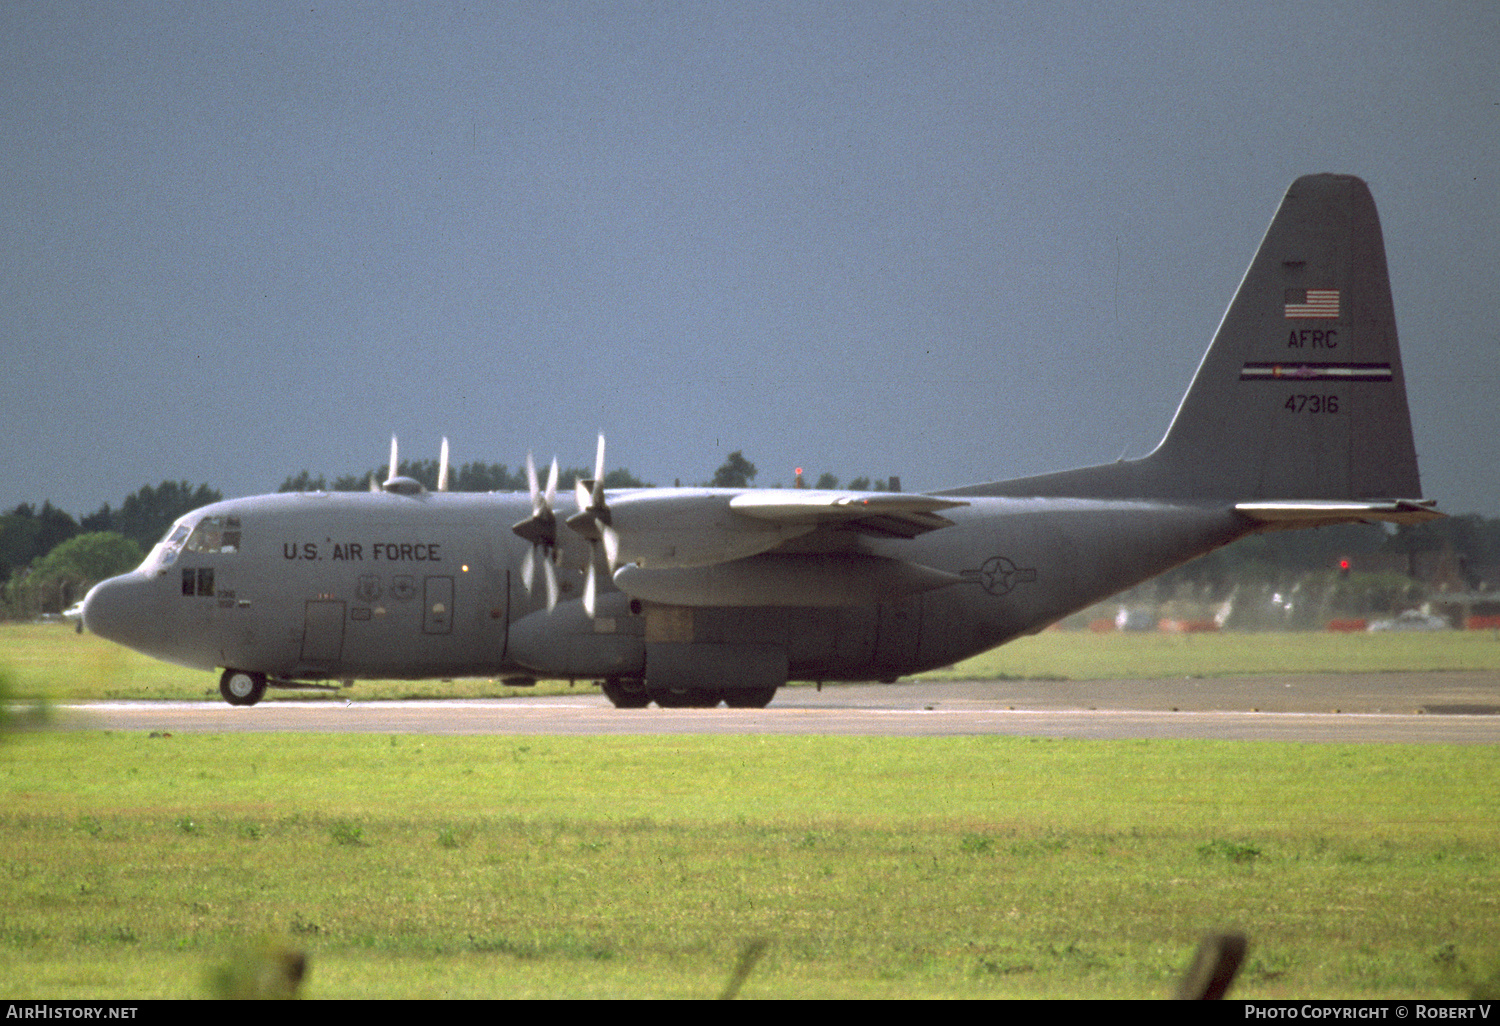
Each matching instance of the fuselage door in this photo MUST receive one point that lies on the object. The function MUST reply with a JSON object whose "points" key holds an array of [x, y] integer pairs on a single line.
{"points": [[323, 632]]}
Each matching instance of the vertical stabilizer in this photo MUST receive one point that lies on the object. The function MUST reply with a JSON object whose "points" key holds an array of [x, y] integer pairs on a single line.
{"points": [[1301, 394]]}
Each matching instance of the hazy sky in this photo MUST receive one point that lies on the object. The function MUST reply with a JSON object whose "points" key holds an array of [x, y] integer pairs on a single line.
{"points": [[953, 242]]}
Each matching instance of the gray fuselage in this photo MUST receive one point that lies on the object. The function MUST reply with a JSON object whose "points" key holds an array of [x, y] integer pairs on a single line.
{"points": [[361, 585]]}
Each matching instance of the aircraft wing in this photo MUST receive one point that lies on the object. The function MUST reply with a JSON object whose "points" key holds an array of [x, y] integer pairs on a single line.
{"points": [[882, 514], [708, 547]]}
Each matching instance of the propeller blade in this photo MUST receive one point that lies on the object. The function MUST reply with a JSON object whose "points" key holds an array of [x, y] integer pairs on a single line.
{"points": [[442, 482], [592, 521], [611, 539], [598, 496], [551, 575], [541, 530], [391, 473]]}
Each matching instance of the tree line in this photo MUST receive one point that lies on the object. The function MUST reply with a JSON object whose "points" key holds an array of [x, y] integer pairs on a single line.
{"points": [[735, 472], [49, 559], [471, 477]]}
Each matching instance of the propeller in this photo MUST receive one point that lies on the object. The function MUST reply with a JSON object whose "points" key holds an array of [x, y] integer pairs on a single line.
{"points": [[540, 529], [397, 484], [593, 522], [390, 474]]}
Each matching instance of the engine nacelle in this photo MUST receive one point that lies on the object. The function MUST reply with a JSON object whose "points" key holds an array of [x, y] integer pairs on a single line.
{"points": [[567, 642]]}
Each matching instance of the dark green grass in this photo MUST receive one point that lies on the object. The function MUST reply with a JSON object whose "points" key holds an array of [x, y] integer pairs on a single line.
{"points": [[410, 866], [54, 663], [1081, 655]]}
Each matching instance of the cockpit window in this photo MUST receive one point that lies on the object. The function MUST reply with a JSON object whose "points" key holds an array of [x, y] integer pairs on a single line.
{"points": [[164, 554], [211, 534], [215, 534]]}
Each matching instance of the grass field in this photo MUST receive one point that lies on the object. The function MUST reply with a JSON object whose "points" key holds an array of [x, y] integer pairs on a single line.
{"points": [[1079, 655], [963, 867], [52, 662], [411, 866]]}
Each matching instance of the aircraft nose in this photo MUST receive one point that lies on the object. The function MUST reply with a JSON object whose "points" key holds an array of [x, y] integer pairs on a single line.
{"points": [[117, 609]]}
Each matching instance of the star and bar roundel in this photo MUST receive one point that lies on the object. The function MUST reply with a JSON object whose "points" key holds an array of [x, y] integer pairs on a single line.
{"points": [[999, 575]]}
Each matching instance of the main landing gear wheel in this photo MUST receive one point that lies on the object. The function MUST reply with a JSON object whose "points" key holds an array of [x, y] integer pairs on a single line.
{"points": [[686, 698], [749, 698], [240, 687], [623, 696]]}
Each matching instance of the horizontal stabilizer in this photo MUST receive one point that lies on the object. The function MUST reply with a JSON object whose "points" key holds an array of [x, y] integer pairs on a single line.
{"points": [[1278, 516]]}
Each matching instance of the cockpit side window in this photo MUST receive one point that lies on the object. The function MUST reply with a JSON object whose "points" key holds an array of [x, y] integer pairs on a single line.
{"points": [[164, 554]]}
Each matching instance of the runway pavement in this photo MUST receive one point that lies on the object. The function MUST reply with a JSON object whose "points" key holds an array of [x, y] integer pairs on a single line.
{"points": [[1435, 708]]}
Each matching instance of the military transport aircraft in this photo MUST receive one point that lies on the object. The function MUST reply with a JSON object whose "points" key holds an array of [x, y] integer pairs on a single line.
{"points": [[1297, 417]]}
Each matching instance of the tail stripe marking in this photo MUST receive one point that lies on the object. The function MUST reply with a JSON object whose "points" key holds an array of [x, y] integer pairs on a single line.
{"points": [[1316, 372]]}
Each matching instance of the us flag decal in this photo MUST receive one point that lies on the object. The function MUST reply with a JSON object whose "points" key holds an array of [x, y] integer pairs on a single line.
{"points": [[1303, 303]]}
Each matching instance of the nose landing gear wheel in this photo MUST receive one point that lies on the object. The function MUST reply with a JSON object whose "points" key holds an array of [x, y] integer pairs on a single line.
{"points": [[240, 687]]}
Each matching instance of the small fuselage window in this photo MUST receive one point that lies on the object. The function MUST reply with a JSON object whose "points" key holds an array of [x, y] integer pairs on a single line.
{"points": [[198, 582]]}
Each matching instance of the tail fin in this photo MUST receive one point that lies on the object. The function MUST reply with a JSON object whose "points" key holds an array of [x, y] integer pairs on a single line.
{"points": [[1301, 394]]}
